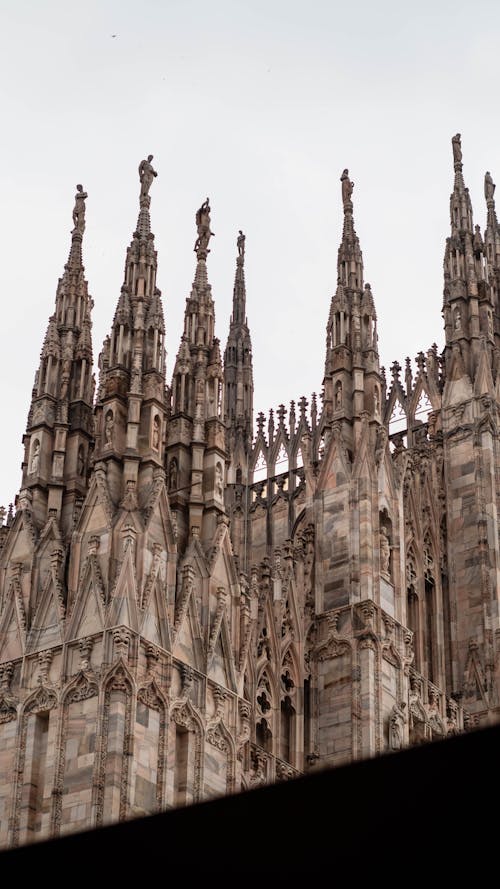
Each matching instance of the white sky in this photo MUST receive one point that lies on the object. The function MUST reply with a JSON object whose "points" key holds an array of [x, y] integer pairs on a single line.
{"points": [[259, 105]]}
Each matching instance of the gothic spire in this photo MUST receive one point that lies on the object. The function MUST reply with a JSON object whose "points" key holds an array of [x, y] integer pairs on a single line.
{"points": [[60, 426], [465, 309], [351, 340], [132, 361], [350, 258], [460, 203], [197, 388], [238, 373]]}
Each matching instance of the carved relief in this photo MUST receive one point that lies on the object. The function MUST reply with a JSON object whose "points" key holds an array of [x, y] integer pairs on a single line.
{"points": [[8, 703]]}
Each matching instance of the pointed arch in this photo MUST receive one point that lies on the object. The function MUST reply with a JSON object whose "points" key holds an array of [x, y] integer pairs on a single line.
{"points": [[150, 738], [111, 801], [186, 748]]}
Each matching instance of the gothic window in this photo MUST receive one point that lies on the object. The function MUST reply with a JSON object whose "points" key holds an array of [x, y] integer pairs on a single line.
{"points": [[260, 469], [299, 460], [286, 729], [307, 716], [398, 421], [181, 765], [413, 616], [429, 643], [281, 460], [424, 406], [263, 735], [264, 714]]}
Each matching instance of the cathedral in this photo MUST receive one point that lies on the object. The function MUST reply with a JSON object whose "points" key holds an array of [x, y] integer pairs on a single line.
{"points": [[192, 605]]}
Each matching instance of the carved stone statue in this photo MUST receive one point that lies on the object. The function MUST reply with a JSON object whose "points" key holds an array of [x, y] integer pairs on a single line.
{"points": [[79, 209], [35, 459], [478, 240], [108, 428], [172, 475], [80, 461], [489, 186], [338, 396], [203, 226], [146, 176], [241, 243], [457, 148], [397, 720], [347, 187], [156, 432], [385, 551], [219, 490]]}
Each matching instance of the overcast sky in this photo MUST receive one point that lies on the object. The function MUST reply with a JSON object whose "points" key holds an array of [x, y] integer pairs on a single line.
{"points": [[259, 105]]}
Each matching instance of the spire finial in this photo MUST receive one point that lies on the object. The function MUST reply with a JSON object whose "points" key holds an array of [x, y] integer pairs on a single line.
{"points": [[79, 210], [489, 189], [204, 231], [146, 176], [240, 243], [457, 152], [347, 188]]}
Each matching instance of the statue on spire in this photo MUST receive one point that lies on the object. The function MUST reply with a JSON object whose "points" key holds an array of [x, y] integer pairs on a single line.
{"points": [[457, 149], [79, 210], [204, 231], [489, 186], [146, 176], [240, 243], [347, 187]]}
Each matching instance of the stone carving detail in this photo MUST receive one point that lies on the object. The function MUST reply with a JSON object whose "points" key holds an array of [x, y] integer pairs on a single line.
{"points": [[185, 594], [129, 501], [79, 210], [42, 700], [146, 176], [150, 696], [417, 714], [457, 151], [397, 722], [216, 737], [433, 715], [204, 231], [347, 188], [152, 576], [156, 487], [385, 552], [17, 589], [334, 645], [259, 768], [284, 772], [8, 703], [219, 614], [121, 639], [244, 734], [489, 186], [102, 487], [84, 688]]}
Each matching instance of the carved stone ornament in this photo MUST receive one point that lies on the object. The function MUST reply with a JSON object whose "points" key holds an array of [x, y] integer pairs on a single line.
{"points": [[8, 709], [43, 699], [8, 703], [150, 696], [85, 687], [215, 736]]}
